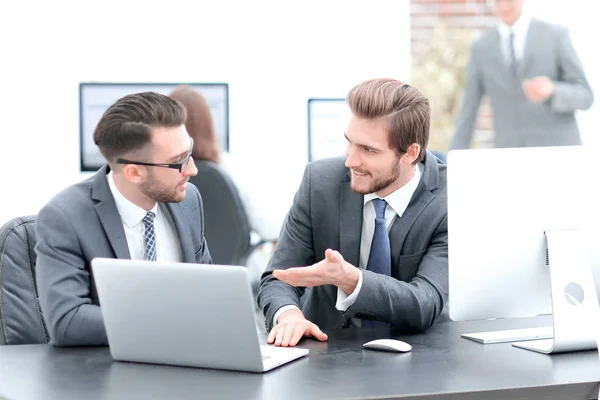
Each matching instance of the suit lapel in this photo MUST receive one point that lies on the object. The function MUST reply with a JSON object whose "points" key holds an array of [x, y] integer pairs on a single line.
{"points": [[183, 231], [351, 215], [420, 199], [498, 59], [109, 215], [530, 48]]}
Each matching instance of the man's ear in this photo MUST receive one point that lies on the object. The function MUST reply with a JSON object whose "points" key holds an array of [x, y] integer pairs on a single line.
{"points": [[133, 173], [412, 154]]}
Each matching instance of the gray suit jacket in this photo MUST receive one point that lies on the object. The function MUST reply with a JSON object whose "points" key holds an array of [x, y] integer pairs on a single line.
{"points": [[517, 121], [326, 213], [80, 224]]}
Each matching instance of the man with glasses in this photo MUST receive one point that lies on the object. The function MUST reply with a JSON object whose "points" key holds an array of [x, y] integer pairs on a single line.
{"points": [[138, 206]]}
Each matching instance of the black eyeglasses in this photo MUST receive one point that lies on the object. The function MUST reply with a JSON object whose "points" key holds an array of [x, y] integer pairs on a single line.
{"points": [[180, 166]]}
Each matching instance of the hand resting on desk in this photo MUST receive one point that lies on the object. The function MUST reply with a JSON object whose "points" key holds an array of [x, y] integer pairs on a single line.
{"points": [[291, 327]]}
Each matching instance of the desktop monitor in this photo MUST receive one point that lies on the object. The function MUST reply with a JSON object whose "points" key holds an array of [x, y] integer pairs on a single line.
{"points": [[502, 205], [327, 121], [96, 97]]}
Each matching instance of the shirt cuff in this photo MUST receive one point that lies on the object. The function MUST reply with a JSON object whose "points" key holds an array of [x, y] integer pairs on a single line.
{"points": [[344, 301], [282, 310]]}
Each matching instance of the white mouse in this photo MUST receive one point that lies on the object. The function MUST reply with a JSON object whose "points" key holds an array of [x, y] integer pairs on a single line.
{"points": [[388, 345]]}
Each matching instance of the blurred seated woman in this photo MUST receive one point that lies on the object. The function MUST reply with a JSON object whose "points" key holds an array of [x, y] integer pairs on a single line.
{"points": [[199, 125]]}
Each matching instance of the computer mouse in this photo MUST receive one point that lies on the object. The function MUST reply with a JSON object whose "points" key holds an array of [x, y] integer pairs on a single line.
{"points": [[392, 345]]}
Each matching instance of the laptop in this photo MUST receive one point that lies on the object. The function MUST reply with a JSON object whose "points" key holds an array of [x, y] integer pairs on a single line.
{"points": [[183, 314]]}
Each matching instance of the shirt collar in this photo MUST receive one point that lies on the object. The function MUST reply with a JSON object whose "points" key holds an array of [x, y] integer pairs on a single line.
{"points": [[130, 213], [400, 198], [519, 27]]}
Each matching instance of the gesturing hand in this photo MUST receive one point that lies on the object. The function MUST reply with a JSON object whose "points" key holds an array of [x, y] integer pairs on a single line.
{"points": [[333, 270]]}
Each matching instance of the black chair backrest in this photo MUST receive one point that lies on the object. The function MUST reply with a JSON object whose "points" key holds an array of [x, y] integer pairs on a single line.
{"points": [[21, 320], [226, 226]]}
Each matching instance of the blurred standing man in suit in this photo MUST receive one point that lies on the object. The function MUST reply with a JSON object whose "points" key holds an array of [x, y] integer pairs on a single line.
{"points": [[138, 206], [533, 77], [365, 241]]}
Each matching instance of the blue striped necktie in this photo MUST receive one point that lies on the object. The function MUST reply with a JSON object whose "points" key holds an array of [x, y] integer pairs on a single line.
{"points": [[149, 236]]}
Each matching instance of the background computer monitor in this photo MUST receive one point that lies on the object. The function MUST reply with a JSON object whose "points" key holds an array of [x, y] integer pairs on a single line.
{"points": [[327, 122], [500, 201], [96, 97]]}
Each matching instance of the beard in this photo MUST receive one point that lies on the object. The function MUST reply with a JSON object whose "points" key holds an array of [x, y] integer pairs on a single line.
{"points": [[379, 183], [161, 193]]}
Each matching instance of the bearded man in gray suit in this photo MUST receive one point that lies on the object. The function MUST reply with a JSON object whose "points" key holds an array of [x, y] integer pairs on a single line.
{"points": [[534, 80], [365, 242], [139, 206]]}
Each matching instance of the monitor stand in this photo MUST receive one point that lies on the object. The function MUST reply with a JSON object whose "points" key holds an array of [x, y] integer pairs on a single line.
{"points": [[575, 310], [576, 314]]}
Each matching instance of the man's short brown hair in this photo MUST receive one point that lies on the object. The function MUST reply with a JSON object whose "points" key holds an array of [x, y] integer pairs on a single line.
{"points": [[125, 126], [402, 106]]}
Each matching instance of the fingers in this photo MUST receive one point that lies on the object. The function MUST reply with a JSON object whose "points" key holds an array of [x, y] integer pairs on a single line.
{"points": [[278, 273], [285, 335], [286, 276], [279, 335], [271, 337], [531, 92], [333, 256], [298, 276], [289, 334], [317, 333], [328, 254], [529, 86], [537, 88], [298, 334]]}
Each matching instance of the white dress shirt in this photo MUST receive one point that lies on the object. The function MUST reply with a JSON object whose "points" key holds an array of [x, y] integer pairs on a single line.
{"points": [[519, 28], [397, 204], [167, 241]]}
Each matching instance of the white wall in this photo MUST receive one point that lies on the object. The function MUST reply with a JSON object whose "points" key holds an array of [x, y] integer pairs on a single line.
{"points": [[274, 54]]}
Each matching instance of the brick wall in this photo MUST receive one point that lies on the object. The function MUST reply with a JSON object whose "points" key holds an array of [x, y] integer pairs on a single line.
{"points": [[456, 14]]}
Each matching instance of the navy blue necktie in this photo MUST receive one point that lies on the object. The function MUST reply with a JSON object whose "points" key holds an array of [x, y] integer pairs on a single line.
{"points": [[380, 257], [149, 236]]}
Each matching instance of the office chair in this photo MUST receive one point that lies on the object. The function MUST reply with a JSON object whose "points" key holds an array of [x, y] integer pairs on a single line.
{"points": [[226, 225], [21, 320]]}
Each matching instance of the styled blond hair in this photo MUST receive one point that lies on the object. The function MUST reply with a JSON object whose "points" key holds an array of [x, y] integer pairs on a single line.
{"points": [[403, 107]]}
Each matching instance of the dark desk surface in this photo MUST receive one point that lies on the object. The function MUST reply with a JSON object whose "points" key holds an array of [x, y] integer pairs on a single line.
{"points": [[441, 365]]}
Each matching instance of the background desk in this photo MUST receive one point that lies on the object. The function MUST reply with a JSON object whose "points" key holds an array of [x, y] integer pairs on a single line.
{"points": [[441, 365]]}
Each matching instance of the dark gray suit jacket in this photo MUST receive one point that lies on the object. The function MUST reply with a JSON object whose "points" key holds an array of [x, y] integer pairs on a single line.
{"points": [[80, 224], [519, 122], [327, 214]]}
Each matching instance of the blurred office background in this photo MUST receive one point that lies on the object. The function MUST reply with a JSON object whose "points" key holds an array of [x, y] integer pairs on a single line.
{"points": [[441, 35], [274, 55]]}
